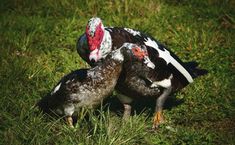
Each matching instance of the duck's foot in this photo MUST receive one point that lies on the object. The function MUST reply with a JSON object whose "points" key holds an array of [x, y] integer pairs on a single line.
{"points": [[69, 121], [157, 120]]}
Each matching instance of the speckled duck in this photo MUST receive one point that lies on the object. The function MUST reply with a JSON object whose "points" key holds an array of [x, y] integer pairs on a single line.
{"points": [[88, 87]]}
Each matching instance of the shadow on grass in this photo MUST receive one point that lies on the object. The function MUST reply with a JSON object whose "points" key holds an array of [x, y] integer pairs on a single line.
{"points": [[141, 105], [113, 105]]}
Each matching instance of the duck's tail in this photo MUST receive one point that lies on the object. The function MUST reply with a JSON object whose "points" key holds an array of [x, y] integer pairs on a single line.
{"points": [[194, 70], [43, 104]]}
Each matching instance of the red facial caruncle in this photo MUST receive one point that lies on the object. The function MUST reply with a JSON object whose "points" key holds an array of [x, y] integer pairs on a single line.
{"points": [[94, 41], [139, 53]]}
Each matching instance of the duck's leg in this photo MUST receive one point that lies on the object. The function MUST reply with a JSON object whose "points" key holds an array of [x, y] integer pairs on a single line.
{"points": [[127, 111], [126, 101], [69, 120], [68, 111], [158, 117]]}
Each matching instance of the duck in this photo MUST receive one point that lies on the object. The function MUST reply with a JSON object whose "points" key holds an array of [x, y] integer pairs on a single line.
{"points": [[86, 88], [164, 70]]}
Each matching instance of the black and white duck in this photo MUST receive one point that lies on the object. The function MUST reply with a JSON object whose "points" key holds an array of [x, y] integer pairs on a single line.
{"points": [[170, 73]]}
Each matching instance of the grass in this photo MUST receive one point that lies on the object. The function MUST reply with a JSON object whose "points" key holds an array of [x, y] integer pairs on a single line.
{"points": [[38, 47]]}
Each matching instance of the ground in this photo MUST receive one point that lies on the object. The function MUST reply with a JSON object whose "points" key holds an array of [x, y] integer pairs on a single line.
{"points": [[38, 47]]}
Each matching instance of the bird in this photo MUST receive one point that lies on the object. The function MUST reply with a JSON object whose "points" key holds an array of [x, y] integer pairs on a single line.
{"points": [[164, 70], [86, 88]]}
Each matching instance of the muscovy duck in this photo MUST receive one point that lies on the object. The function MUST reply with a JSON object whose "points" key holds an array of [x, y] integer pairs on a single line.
{"points": [[170, 72], [88, 87]]}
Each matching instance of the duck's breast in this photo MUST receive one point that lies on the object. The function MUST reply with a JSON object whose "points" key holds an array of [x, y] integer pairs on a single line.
{"points": [[100, 83]]}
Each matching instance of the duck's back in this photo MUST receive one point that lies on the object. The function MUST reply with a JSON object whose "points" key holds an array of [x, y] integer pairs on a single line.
{"points": [[82, 88]]}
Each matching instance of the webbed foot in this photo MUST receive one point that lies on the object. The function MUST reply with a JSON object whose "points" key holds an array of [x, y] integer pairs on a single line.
{"points": [[157, 120], [69, 120]]}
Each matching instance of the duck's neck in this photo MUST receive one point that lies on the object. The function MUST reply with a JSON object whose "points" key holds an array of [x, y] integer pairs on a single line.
{"points": [[106, 44], [110, 67], [114, 60]]}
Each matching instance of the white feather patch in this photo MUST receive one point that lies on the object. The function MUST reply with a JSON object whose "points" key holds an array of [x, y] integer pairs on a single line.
{"points": [[68, 109], [56, 88], [165, 54], [133, 32], [106, 44], [166, 83], [117, 55], [129, 45], [149, 63], [93, 23]]}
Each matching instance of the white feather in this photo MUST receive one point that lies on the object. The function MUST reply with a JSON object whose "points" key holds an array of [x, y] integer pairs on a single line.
{"points": [[133, 32], [165, 54], [166, 83], [56, 88]]}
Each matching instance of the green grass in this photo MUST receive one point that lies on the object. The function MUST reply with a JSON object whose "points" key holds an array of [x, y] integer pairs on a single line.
{"points": [[38, 47]]}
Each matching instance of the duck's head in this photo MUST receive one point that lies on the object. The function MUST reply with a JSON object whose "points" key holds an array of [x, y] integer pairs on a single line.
{"points": [[130, 52], [94, 33], [134, 53]]}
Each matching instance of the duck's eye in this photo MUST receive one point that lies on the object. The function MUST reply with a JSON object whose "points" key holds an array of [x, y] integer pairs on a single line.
{"points": [[135, 49]]}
